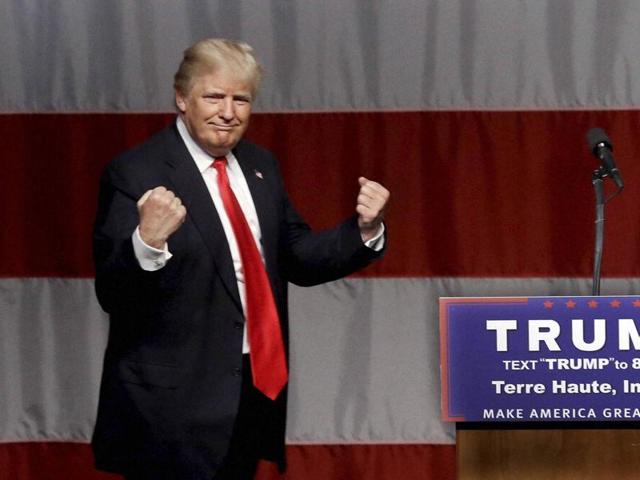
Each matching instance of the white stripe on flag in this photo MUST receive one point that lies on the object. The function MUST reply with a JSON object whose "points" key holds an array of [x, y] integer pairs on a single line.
{"points": [[329, 56], [364, 356]]}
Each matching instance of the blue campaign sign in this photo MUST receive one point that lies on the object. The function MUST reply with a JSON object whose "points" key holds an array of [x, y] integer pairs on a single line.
{"points": [[540, 359]]}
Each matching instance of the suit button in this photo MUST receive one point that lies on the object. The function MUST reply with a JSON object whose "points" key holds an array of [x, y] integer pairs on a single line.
{"points": [[237, 372], [238, 325]]}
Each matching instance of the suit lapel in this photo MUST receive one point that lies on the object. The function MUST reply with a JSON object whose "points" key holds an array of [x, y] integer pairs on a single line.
{"points": [[189, 185]]}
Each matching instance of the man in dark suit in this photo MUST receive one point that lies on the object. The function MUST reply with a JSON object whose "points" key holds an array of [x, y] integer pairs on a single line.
{"points": [[178, 399]]}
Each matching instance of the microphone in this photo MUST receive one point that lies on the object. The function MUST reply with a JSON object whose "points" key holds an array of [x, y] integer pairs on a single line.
{"points": [[601, 147]]}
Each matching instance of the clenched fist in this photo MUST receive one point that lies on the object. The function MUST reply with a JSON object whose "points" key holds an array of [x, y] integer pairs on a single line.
{"points": [[372, 199], [161, 214]]}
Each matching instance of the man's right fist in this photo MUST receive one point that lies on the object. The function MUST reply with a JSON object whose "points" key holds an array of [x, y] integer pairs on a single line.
{"points": [[161, 214]]}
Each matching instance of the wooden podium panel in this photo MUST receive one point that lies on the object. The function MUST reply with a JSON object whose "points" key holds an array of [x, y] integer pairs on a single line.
{"points": [[548, 454]]}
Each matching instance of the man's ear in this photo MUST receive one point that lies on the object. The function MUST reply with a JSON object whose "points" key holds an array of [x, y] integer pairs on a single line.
{"points": [[181, 102]]}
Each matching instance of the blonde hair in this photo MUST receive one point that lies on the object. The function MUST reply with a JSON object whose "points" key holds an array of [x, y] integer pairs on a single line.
{"points": [[214, 55]]}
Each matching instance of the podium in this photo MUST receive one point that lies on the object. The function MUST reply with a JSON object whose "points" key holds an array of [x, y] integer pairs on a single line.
{"points": [[554, 399], [548, 453]]}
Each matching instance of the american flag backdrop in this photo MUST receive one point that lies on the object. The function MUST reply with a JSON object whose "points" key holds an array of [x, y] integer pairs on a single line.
{"points": [[472, 112]]}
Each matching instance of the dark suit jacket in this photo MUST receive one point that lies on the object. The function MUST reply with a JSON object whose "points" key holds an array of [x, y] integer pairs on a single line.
{"points": [[172, 368]]}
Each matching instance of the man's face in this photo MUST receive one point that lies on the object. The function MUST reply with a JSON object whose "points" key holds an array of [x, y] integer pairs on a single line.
{"points": [[216, 111]]}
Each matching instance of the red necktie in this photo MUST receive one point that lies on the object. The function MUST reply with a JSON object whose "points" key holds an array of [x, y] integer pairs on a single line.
{"points": [[268, 364]]}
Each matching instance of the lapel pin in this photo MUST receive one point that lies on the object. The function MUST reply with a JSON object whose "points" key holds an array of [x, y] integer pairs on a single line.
{"points": [[258, 174]]}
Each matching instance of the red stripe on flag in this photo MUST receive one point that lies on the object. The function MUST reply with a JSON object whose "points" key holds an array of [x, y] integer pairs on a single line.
{"points": [[74, 461], [492, 194], [49, 461]]}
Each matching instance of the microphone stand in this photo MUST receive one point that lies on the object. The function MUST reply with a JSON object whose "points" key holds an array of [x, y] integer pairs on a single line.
{"points": [[598, 184]]}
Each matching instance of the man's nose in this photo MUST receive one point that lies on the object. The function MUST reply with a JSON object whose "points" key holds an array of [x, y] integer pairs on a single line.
{"points": [[227, 110]]}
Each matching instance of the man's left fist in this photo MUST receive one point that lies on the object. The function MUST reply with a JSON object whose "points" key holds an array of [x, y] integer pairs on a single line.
{"points": [[372, 199]]}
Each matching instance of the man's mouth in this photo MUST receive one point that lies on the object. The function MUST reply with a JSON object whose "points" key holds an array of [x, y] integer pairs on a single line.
{"points": [[222, 128]]}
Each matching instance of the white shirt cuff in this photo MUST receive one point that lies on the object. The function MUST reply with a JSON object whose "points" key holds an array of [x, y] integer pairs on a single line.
{"points": [[377, 243], [149, 258]]}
